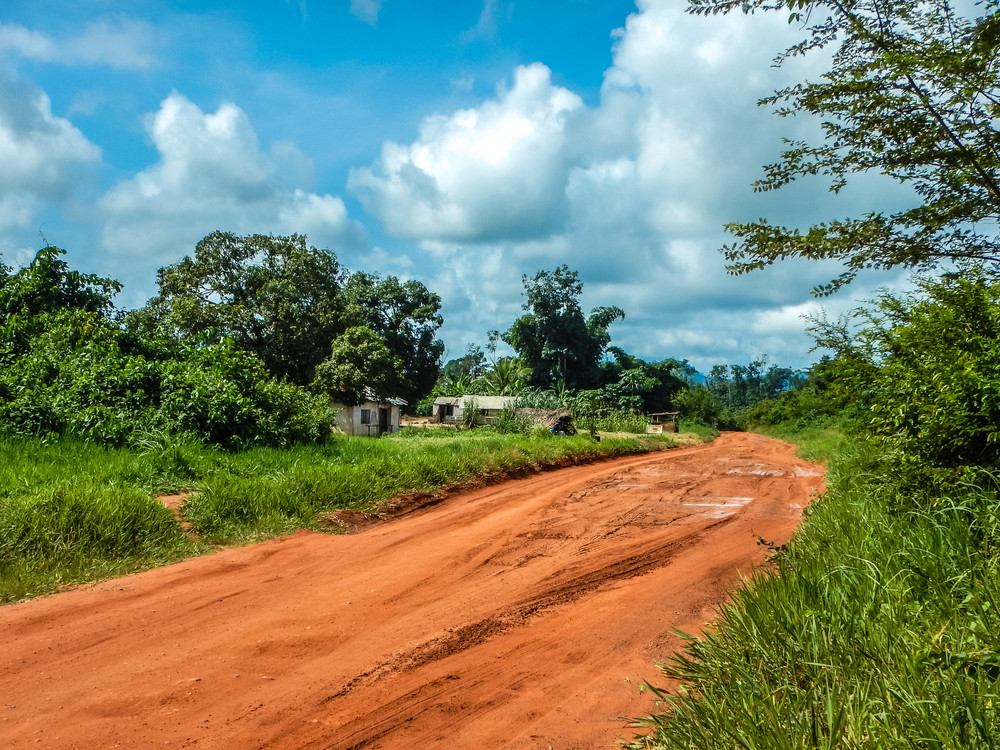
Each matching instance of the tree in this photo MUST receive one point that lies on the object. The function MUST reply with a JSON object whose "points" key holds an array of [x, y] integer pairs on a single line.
{"points": [[274, 296], [49, 285], [740, 386], [651, 385], [912, 93], [507, 377], [553, 337], [360, 364], [464, 369], [288, 303], [406, 315]]}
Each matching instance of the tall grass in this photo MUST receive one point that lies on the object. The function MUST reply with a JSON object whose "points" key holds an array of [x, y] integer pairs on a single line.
{"points": [[621, 421], [880, 629], [60, 523], [815, 443]]}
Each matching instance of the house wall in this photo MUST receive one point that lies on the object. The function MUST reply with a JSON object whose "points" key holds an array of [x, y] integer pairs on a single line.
{"points": [[349, 419]]}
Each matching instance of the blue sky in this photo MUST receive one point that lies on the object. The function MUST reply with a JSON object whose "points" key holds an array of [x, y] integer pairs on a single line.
{"points": [[460, 143]]}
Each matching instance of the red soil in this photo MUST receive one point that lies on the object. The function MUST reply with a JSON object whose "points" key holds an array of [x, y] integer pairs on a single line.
{"points": [[523, 615]]}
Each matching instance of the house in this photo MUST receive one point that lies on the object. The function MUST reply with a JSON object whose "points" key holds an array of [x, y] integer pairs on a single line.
{"points": [[372, 417], [452, 408]]}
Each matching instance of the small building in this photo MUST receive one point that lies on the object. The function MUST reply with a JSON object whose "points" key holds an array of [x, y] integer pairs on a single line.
{"points": [[451, 409], [371, 418], [663, 421]]}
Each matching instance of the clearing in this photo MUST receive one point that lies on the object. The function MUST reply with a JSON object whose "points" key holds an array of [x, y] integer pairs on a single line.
{"points": [[522, 615]]}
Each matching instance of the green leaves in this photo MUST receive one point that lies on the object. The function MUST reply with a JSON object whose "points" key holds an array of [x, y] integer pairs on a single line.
{"points": [[912, 93], [360, 366], [288, 303], [553, 337]]}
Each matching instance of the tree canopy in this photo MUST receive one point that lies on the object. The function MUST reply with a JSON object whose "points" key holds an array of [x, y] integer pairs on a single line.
{"points": [[274, 296], [912, 93], [289, 303], [553, 337]]}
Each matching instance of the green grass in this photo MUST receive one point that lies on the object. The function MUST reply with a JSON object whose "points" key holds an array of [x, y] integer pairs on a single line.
{"points": [[819, 444], [73, 512], [880, 629]]}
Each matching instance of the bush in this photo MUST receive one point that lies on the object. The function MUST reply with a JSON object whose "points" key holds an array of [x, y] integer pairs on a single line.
{"points": [[79, 376], [927, 366]]}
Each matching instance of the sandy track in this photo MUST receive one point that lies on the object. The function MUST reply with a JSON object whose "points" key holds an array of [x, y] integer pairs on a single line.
{"points": [[524, 615]]}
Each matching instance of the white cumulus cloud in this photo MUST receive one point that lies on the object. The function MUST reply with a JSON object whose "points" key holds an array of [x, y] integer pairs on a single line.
{"points": [[44, 158], [497, 171], [212, 174]]}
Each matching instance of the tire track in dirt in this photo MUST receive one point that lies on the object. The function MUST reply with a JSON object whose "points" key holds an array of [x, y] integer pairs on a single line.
{"points": [[521, 615]]}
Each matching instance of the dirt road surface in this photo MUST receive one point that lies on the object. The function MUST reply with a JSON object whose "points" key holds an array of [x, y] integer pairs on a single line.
{"points": [[522, 615]]}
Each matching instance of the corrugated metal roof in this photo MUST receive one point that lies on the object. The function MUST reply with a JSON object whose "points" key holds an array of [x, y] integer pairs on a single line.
{"points": [[483, 402]]}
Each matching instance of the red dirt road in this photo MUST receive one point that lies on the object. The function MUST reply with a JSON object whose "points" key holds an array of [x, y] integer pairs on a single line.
{"points": [[523, 615]]}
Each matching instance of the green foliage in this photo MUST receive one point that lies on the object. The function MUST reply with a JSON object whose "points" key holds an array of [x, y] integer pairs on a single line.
{"points": [[553, 337], [822, 401], [699, 404], [360, 364], [406, 315], [274, 296], [48, 285], [632, 384], [79, 376], [507, 376], [217, 354], [928, 368], [742, 386], [911, 94], [289, 303], [225, 396], [470, 413]]}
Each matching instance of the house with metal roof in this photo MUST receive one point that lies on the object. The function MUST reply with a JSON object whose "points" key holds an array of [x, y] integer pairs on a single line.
{"points": [[372, 417], [451, 409]]}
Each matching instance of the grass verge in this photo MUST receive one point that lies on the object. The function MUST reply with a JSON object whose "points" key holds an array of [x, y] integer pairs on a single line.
{"points": [[72, 512], [880, 629]]}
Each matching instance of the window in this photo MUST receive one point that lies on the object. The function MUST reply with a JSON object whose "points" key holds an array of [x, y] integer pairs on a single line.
{"points": [[366, 416]]}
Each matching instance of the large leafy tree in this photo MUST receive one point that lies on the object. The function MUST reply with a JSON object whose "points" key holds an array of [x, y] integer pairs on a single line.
{"points": [[289, 303], [360, 365], [274, 296], [912, 93], [406, 315], [553, 337]]}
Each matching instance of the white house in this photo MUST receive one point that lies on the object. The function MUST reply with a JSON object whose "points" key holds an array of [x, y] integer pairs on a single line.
{"points": [[371, 418], [452, 408]]}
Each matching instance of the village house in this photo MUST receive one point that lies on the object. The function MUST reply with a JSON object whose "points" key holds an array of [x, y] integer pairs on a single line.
{"points": [[372, 417], [451, 409]]}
